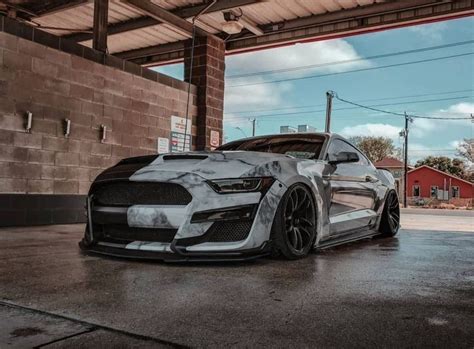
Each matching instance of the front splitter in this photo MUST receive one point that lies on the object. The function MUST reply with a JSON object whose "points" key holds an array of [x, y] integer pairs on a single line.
{"points": [[234, 256]]}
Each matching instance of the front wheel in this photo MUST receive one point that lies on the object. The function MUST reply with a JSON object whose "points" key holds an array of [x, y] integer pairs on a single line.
{"points": [[294, 227], [390, 222]]}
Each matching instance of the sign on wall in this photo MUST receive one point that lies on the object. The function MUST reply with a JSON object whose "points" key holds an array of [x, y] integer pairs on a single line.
{"points": [[163, 145], [180, 140], [214, 139]]}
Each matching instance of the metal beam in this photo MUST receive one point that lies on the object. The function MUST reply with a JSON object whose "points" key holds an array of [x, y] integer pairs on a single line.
{"points": [[43, 8], [153, 50], [359, 20], [101, 13], [183, 12], [160, 14], [251, 26]]}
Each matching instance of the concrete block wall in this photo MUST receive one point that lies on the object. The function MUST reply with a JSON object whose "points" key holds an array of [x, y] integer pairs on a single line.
{"points": [[55, 85]]}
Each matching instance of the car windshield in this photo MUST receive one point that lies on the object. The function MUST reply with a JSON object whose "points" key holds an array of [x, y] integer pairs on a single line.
{"points": [[296, 146]]}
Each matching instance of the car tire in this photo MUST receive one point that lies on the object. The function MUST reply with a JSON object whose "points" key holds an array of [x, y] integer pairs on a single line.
{"points": [[294, 226], [390, 222]]}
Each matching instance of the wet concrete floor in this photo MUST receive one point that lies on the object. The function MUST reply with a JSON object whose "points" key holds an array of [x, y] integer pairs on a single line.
{"points": [[416, 290]]}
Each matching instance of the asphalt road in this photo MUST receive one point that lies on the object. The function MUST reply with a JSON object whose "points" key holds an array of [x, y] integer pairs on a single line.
{"points": [[415, 290]]}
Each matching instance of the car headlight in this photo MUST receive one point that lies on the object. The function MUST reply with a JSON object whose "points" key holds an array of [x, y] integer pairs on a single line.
{"points": [[241, 185]]}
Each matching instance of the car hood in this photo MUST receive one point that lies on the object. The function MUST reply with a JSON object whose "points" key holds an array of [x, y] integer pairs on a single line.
{"points": [[217, 164]]}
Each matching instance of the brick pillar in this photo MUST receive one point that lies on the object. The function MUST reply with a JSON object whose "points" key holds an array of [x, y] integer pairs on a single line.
{"points": [[208, 76]]}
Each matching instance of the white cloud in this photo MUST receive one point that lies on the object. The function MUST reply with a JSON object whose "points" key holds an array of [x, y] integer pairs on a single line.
{"points": [[269, 96], [296, 56], [460, 108], [421, 127], [430, 32], [374, 130], [253, 97], [455, 144]]}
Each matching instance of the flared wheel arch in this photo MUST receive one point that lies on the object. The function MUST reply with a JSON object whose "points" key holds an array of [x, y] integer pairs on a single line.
{"points": [[317, 212]]}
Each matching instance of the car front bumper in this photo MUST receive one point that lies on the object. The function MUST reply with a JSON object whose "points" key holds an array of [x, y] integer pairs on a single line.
{"points": [[190, 240]]}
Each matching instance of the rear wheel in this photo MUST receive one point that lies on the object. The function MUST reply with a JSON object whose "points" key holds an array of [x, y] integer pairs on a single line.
{"points": [[390, 222], [294, 227]]}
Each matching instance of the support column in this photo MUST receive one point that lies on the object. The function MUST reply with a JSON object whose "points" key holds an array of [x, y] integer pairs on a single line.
{"points": [[208, 75], [101, 12]]}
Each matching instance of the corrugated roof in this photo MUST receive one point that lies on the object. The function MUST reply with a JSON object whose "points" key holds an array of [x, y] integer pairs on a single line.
{"points": [[261, 13]]}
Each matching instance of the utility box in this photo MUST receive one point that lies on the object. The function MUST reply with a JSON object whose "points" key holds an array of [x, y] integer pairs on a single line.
{"points": [[306, 128], [287, 129]]}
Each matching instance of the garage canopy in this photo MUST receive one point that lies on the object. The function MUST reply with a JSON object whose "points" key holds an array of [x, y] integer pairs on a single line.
{"points": [[151, 32]]}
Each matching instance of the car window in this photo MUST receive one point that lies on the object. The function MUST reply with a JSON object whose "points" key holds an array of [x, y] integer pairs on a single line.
{"points": [[298, 146], [338, 145]]}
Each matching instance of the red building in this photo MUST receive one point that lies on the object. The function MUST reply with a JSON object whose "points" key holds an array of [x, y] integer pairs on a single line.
{"points": [[429, 183]]}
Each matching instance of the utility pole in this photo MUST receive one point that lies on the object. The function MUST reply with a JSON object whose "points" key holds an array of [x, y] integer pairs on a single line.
{"points": [[329, 96], [254, 122], [405, 160]]}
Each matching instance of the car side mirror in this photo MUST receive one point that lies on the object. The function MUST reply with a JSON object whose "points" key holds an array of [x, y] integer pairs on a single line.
{"points": [[343, 157]]}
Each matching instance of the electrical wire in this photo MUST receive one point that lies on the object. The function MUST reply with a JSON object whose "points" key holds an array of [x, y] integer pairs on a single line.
{"points": [[354, 70], [384, 55], [364, 100], [398, 114], [360, 106]]}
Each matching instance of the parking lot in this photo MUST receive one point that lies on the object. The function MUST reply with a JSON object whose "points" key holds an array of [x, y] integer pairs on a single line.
{"points": [[414, 290]]}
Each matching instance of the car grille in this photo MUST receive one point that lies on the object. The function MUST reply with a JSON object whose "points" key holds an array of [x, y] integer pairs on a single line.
{"points": [[122, 233], [229, 231], [128, 193]]}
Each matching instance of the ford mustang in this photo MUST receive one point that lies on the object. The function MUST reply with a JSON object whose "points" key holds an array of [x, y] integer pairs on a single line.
{"points": [[281, 194]]}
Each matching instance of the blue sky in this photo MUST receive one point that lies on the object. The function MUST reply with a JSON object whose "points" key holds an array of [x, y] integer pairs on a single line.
{"points": [[438, 81]]}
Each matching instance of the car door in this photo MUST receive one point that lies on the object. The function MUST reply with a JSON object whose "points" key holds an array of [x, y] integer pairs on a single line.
{"points": [[353, 191]]}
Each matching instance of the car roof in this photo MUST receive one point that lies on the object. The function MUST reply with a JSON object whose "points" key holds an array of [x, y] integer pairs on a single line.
{"points": [[288, 135]]}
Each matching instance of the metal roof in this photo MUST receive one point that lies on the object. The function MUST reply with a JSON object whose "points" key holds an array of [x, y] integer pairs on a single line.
{"points": [[266, 23], [272, 11]]}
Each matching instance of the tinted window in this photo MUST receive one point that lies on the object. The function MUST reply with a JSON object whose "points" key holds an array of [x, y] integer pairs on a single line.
{"points": [[338, 145], [296, 146]]}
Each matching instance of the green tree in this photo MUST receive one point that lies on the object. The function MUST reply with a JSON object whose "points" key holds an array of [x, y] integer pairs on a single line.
{"points": [[376, 148], [455, 167]]}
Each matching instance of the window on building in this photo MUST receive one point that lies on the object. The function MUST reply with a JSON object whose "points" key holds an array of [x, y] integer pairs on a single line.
{"points": [[416, 190], [434, 191], [455, 192]]}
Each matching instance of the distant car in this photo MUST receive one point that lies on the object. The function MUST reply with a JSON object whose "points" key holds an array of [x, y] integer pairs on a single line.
{"points": [[279, 194]]}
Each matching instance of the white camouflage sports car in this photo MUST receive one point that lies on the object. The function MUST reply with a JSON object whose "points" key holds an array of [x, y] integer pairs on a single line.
{"points": [[280, 194]]}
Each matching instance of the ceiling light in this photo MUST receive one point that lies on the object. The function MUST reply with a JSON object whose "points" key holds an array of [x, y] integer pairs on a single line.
{"points": [[231, 24], [232, 27]]}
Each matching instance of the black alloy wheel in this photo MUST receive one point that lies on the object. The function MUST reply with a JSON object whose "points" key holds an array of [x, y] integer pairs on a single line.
{"points": [[294, 228], [391, 215]]}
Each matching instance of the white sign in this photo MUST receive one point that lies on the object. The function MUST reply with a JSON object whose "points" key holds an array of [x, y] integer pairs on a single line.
{"points": [[178, 144], [163, 145], [214, 139], [178, 134], [178, 124]]}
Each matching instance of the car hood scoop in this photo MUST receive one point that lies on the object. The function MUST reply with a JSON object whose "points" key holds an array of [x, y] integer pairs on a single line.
{"points": [[211, 165]]}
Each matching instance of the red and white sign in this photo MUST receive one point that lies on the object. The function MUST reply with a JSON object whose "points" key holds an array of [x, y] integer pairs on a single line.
{"points": [[214, 139]]}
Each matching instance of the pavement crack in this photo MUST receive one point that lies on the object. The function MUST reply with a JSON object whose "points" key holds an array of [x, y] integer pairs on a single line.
{"points": [[92, 326], [92, 329]]}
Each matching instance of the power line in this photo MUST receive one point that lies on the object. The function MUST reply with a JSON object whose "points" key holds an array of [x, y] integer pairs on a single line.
{"points": [[360, 106], [397, 114], [383, 55], [354, 70], [364, 100]]}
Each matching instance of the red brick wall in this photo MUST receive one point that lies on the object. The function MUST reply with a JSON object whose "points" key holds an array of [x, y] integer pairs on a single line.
{"points": [[55, 85], [208, 76]]}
